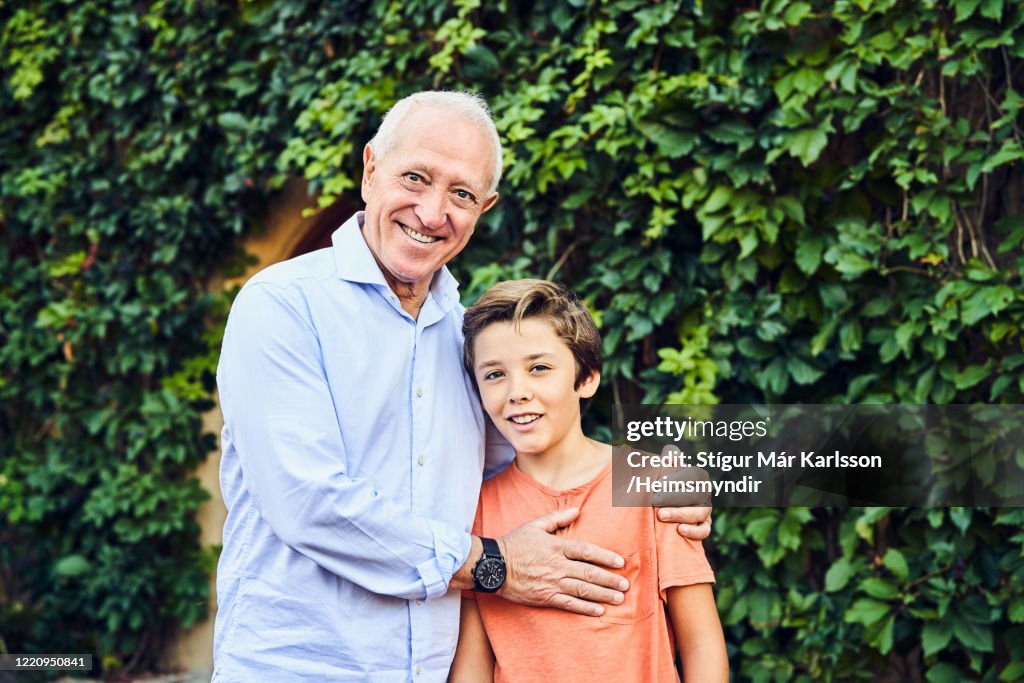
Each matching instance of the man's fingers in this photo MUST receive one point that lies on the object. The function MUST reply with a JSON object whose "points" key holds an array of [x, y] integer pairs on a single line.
{"points": [[685, 515], [571, 604], [695, 532], [553, 521], [589, 591], [694, 522], [588, 552]]}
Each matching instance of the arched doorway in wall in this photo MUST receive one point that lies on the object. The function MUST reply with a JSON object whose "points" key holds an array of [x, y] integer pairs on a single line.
{"points": [[286, 234], [318, 235]]}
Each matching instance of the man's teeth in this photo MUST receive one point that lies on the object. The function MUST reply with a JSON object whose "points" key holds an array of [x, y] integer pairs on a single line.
{"points": [[525, 419], [418, 236]]}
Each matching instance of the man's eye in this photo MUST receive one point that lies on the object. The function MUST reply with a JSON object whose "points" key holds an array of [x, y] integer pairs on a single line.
{"points": [[463, 194], [413, 177]]}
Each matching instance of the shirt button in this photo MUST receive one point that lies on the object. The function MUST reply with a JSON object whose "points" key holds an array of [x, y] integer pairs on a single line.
{"points": [[421, 460], [419, 391], [419, 602], [419, 669]]}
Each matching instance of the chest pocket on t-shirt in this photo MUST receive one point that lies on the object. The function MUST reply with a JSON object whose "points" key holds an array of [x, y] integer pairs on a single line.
{"points": [[642, 596]]}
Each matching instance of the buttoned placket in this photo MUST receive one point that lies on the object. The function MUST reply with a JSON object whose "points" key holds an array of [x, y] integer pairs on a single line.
{"points": [[418, 616]]}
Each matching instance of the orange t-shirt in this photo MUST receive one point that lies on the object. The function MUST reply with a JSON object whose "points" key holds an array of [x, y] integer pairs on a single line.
{"points": [[630, 642]]}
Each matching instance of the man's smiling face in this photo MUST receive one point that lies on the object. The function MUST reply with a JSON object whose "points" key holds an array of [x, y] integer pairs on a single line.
{"points": [[423, 198]]}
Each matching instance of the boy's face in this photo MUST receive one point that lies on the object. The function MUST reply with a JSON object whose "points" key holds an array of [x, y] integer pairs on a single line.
{"points": [[526, 379]]}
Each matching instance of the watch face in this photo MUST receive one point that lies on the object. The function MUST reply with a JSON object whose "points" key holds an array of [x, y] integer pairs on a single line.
{"points": [[490, 573]]}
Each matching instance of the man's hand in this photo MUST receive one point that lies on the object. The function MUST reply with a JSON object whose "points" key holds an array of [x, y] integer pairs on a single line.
{"points": [[545, 570], [694, 523], [692, 512]]}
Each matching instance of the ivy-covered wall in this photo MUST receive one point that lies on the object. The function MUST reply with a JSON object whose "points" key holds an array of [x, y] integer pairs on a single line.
{"points": [[768, 201]]}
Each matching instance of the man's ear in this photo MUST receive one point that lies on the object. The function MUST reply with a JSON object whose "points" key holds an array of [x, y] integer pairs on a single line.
{"points": [[489, 202], [590, 384], [369, 166]]}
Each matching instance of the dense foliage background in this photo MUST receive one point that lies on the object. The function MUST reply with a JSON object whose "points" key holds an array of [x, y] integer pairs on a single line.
{"points": [[774, 201]]}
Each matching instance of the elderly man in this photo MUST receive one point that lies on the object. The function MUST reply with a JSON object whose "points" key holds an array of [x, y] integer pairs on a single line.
{"points": [[354, 444]]}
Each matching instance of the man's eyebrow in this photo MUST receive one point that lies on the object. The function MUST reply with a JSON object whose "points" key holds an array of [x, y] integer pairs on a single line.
{"points": [[431, 172], [420, 168]]}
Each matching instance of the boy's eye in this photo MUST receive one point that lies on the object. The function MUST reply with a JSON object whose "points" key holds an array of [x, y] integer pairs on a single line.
{"points": [[540, 368], [494, 374]]}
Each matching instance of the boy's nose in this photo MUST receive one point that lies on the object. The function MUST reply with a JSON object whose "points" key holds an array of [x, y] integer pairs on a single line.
{"points": [[518, 393]]}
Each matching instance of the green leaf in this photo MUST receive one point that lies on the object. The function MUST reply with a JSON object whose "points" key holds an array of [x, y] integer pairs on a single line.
{"points": [[935, 636], [233, 122], [719, 199], [971, 375], [992, 9], [851, 265], [945, 673], [961, 518], [866, 611], [965, 8], [1013, 672], [877, 307], [792, 207], [838, 575], [1016, 610], [755, 348], [879, 588], [894, 561], [802, 372], [808, 255], [851, 336], [807, 145], [661, 306], [795, 13], [973, 636], [775, 378], [72, 565]]}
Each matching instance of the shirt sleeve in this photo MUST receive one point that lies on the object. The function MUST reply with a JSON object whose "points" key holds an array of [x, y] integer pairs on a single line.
{"points": [[498, 453], [478, 530], [681, 562], [278, 408]]}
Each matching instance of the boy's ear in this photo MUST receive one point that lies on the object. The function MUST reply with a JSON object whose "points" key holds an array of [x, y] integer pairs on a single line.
{"points": [[590, 384]]}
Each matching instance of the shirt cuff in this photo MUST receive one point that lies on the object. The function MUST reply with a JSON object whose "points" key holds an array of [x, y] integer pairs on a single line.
{"points": [[451, 549]]}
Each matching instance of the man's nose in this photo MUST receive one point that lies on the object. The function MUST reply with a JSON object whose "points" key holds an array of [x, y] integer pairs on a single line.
{"points": [[432, 209]]}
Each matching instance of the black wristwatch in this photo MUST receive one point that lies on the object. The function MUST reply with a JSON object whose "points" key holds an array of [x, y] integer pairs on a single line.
{"points": [[489, 571]]}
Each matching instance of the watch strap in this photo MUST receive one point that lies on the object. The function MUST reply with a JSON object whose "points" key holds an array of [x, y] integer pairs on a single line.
{"points": [[491, 548]]}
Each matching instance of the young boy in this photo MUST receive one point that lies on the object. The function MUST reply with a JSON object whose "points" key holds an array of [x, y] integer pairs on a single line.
{"points": [[534, 352]]}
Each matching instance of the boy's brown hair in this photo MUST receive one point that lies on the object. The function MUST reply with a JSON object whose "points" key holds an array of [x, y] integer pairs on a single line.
{"points": [[516, 300]]}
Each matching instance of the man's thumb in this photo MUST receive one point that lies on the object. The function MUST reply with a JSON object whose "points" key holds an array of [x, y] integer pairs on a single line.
{"points": [[553, 521]]}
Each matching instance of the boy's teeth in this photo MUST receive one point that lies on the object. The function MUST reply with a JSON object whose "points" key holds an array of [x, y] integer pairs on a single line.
{"points": [[418, 236], [524, 419]]}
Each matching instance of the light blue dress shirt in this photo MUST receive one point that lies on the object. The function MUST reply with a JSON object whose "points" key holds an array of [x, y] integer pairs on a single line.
{"points": [[353, 447]]}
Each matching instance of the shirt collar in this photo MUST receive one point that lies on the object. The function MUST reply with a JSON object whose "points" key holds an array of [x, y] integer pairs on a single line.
{"points": [[355, 263]]}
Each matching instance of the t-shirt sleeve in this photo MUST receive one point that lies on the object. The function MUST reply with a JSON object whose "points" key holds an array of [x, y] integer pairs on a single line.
{"points": [[478, 525], [681, 562]]}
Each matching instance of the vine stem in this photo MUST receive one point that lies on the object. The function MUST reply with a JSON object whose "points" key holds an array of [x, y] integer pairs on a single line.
{"points": [[561, 259]]}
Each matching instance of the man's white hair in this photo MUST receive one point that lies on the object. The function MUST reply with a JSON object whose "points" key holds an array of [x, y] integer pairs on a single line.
{"points": [[466, 105]]}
